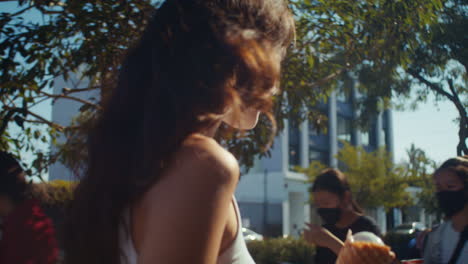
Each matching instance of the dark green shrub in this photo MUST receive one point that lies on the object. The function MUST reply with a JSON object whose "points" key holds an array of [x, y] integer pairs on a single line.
{"points": [[54, 194], [54, 197], [282, 250]]}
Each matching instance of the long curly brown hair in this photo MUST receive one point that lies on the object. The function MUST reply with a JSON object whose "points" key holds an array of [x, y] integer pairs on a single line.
{"points": [[194, 59]]}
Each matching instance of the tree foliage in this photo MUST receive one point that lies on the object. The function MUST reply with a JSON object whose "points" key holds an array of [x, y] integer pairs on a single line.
{"points": [[87, 38], [368, 38], [418, 170], [439, 65], [373, 178]]}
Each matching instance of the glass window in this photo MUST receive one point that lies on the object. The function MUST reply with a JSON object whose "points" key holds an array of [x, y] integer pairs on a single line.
{"points": [[365, 137], [316, 155], [312, 130], [344, 129], [294, 146]]}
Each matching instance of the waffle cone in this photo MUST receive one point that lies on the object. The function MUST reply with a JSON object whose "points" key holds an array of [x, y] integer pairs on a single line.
{"points": [[364, 253]]}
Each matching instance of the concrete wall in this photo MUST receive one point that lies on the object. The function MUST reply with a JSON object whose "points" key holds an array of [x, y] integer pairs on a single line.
{"points": [[296, 206], [263, 218], [252, 189], [260, 197], [278, 161], [297, 201]]}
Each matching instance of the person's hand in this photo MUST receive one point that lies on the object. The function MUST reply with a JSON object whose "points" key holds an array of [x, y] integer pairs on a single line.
{"points": [[320, 236], [359, 252], [366, 252]]}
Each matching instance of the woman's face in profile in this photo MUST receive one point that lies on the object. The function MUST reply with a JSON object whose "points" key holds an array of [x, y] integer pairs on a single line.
{"points": [[248, 117]]}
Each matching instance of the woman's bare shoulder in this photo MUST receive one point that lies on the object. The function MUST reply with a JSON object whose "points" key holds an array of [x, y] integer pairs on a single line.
{"points": [[197, 186], [203, 155]]}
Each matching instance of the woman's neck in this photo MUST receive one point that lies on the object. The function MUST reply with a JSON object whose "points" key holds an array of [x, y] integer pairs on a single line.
{"points": [[460, 219], [211, 130], [347, 218]]}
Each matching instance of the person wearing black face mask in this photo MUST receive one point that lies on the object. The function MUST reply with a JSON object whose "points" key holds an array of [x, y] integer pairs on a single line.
{"points": [[339, 213], [448, 242]]}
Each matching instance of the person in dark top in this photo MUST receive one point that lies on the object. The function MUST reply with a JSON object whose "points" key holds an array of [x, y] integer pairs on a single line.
{"points": [[339, 213], [27, 233], [448, 242]]}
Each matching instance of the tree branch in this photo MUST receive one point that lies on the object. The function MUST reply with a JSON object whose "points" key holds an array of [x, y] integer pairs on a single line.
{"points": [[57, 96], [67, 90], [21, 11], [44, 98], [40, 118], [326, 79], [463, 129], [6, 120], [48, 12], [452, 89], [455, 99], [45, 121], [431, 85]]}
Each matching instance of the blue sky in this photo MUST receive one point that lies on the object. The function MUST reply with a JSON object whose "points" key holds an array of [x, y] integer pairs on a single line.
{"points": [[430, 127]]}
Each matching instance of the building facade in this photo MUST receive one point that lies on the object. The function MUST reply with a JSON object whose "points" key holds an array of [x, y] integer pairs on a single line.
{"points": [[273, 198]]}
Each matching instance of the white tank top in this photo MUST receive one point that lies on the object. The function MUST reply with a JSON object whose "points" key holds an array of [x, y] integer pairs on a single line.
{"points": [[236, 253]]}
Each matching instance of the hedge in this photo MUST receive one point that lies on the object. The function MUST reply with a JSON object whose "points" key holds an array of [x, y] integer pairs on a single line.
{"points": [[56, 193], [282, 250]]}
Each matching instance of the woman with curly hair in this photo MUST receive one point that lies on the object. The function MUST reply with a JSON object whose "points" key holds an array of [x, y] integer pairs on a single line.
{"points": [[158, 187]]}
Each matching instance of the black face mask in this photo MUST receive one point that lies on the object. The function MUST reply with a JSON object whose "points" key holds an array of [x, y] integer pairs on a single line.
{"points": [[329, 215], [451, 202]]}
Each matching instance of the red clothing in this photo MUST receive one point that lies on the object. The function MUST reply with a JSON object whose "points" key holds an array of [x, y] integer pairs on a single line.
{"points": [[28, 236]]}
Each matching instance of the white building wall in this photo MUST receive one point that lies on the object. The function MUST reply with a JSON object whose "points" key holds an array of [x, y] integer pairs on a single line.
{"points": [[251, 188], [296, 215], [286, 218]]}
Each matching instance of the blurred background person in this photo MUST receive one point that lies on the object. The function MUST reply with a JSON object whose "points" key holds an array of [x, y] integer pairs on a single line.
{"points": [[339, 213], [28, 236], [447, 243]]}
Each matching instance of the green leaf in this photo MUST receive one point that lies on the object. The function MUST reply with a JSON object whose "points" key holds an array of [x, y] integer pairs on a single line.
{"points": [[37, 134], [19, 121]]}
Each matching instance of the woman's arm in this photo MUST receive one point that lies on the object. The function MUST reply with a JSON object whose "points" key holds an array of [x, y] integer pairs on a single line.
{"points": [[320, 236], [187, 210]]}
